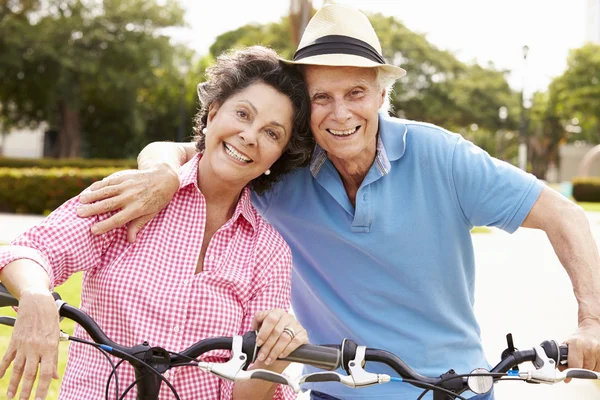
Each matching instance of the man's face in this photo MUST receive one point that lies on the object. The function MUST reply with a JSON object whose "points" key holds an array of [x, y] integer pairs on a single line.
{"points": [[344, 109]]}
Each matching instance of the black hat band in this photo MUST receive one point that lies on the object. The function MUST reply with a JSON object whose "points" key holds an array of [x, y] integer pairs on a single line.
{"points": [[339, 44]]}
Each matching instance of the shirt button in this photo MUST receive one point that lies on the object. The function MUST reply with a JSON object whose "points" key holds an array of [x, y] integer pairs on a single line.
{"points": [[186, 281], [211, 258], [166, 374], [176, 329]]}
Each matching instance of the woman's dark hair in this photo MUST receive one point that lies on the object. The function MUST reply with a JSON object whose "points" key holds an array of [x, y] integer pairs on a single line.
{"points": [[234, 72]]}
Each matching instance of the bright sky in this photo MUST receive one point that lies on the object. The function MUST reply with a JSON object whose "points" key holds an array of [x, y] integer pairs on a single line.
{"points": [[475, 30]]}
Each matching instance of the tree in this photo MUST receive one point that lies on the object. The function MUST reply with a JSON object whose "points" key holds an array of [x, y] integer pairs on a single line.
{"points": [[577, 92], [438, 88], [80, 66]]}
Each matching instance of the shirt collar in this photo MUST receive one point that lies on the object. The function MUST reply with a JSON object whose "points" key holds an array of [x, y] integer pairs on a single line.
{"points": [[391, 145], [188, 175]]}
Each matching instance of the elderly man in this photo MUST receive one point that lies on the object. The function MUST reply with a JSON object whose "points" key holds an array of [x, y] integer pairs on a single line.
{"points": [[379, 223]]}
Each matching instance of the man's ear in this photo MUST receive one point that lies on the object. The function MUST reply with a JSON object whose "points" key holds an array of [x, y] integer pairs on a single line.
{"points": [[382, 98]]}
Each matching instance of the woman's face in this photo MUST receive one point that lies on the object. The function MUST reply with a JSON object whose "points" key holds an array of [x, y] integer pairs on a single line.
{"points": [[247, 133]]}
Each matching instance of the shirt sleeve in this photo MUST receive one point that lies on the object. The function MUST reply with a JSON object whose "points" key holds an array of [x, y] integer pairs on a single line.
{"points": [[273, 291], [62, 244], [491, 192]]}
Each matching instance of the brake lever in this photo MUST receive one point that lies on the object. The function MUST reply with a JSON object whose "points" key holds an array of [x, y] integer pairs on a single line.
{"points": [[266, 375], [358, 376], [546, 371], [233, 370]]}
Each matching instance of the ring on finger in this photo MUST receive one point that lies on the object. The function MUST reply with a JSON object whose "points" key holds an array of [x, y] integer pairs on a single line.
{"points": [[289, 331]]}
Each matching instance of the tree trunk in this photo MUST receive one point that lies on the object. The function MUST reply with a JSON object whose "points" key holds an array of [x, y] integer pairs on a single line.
{"points": [[300, 13], [69, 134]]}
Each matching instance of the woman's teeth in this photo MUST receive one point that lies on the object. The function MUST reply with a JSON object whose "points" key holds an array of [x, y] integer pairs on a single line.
{"points": [[236, 154], [343, 133]]}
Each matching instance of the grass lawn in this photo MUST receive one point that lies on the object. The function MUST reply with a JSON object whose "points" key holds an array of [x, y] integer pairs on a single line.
{"points": [[590, 206], [481, 229], [70, 293]]}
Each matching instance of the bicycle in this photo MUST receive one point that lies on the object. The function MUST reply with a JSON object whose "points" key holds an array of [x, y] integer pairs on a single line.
{"points": [[150, 362]]}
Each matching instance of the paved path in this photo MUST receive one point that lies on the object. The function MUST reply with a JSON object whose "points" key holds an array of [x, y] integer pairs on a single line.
{"points": [[521, 288], [12, 225]]}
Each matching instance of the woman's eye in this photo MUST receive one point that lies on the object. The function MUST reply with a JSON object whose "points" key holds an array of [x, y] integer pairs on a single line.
{"points": [[242, 114], [272, 134]]}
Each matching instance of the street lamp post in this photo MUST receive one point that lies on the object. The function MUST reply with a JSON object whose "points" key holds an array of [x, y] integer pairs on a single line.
{"points": [[502, 115], [523, 122]]}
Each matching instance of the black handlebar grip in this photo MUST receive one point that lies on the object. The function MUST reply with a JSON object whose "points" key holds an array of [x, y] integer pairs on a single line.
{"points": [[564, 354], [268, 376], [8, 321], [581, 374], [8, 300], [322, 357], [324, 377]]}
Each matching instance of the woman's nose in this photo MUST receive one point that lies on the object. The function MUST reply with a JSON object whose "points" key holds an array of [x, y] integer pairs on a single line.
{"points": [[248, 137]]}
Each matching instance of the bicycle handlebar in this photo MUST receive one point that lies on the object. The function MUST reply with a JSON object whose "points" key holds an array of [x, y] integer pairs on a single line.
{"points": [[321, 357], [351, 357]]}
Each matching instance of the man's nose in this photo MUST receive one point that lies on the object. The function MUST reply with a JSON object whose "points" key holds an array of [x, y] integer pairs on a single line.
{"points": [[341, 112]]}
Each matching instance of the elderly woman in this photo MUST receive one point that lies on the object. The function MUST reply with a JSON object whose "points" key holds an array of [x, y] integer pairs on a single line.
{"points": [[207, 266]]}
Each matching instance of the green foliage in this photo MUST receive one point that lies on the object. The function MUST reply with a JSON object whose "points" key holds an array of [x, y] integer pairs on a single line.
{"points": [[576, 93], [37, 191], [274, 35], [586, 189], [96, 67], [6, 162]]}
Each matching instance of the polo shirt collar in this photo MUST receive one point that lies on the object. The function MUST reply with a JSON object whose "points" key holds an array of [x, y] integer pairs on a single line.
{"points": [[391, 145]]}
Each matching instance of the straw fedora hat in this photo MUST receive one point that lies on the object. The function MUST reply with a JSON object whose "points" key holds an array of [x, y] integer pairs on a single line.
{"points": [[340, 35]]}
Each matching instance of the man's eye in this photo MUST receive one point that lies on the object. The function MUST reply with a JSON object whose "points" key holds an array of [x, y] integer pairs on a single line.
{"points": [[357, 92]]}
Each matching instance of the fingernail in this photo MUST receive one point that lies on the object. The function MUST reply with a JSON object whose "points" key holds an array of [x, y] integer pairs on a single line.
{"points": [[269, 360], [259, 343], [80, 211], [38, 398], [261, 357], [9, 395], [94, 230]]}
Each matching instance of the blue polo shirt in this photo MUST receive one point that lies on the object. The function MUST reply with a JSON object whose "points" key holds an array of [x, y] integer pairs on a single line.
{"points": [[397, 271]]}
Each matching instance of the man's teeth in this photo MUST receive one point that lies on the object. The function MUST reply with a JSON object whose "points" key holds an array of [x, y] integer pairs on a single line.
{"points": [[342, 133], [236, 154]]}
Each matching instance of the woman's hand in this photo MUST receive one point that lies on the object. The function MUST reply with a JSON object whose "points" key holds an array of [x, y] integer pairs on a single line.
{"points": [[278, 334], [138, 194], [34, 343]]}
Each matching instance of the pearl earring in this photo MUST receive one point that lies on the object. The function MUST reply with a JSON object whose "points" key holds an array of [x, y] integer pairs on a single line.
{"points": [[204, 131], [268, 172]]}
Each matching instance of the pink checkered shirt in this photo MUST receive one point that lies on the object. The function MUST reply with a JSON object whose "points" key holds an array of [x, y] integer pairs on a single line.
{"points": [[148, 291]]}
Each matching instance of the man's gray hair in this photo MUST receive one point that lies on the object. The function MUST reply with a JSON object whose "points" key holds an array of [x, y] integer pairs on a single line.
{"points": [[386, 81]]}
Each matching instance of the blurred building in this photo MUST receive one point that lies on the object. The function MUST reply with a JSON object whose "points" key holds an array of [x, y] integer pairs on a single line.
{"points": [[593, 21], [22, 143]]}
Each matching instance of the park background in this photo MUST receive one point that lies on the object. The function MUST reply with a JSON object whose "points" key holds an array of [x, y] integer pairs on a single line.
{"points": [[84, 85]]}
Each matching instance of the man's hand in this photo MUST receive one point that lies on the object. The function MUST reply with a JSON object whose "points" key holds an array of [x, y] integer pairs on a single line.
{"points": [[584, 346], [138, 194]]}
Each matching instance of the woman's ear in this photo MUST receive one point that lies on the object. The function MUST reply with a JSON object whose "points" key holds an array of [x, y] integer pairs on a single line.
{"points": [[212, 111]]}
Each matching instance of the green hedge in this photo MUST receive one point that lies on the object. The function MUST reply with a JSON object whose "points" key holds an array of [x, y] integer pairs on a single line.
{"points": [[586, 189], [39, 191], [7, 162]]}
